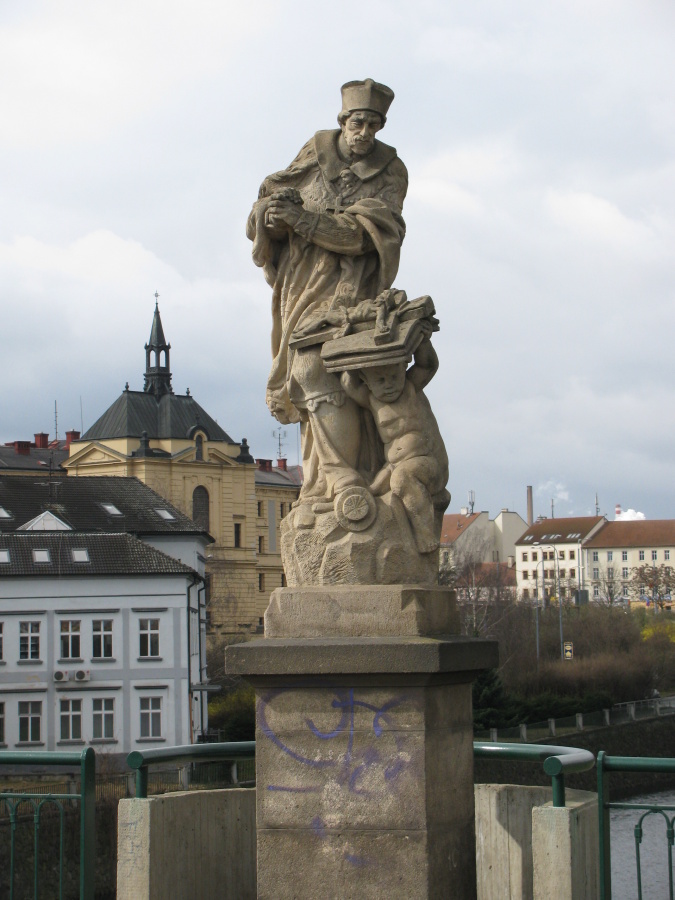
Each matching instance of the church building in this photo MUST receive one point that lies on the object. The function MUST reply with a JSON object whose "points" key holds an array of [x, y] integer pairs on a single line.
{"points": [[169, 442]]}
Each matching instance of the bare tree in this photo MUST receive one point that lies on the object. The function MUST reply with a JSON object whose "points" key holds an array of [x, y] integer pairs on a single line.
{"points": [[653, 584]]}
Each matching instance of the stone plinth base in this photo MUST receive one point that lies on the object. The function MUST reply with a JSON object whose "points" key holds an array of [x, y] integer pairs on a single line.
{"points": [[364, 611], [364, 753]]}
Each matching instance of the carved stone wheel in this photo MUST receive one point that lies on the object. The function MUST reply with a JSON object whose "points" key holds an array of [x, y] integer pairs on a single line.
{"points": [[355, 508]]}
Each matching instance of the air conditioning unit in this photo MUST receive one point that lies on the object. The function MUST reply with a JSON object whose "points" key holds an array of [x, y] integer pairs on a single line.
{"points": [[61, 675], [82, 675]]}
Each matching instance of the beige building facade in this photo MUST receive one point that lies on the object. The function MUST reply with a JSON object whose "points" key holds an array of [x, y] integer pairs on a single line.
{"points": [[174, 446]]}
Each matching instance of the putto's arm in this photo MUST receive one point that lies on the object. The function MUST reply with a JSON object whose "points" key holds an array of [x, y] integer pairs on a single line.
{"points": [[425, 365], [355, 388]]}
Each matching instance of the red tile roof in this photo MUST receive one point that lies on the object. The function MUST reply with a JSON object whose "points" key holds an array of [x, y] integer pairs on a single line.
{"points": [[454, 525], [641, 533]]}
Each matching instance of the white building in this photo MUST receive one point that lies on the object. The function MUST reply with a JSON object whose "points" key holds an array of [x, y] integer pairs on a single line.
{"points": [[102, 637], [549, 557], [477, 537]]}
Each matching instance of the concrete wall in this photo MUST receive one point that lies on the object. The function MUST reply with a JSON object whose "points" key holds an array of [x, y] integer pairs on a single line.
{"points": [[528, 849], [197, 844]]}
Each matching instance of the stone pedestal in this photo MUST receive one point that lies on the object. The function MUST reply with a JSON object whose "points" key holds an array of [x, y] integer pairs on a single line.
{"points": [[364, 754]]}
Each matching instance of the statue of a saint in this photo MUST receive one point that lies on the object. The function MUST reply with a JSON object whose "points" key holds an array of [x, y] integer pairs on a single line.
{"points": [[327, 232]]}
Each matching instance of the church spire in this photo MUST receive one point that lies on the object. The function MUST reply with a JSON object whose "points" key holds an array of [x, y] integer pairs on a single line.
{"points": [[157, 376]]}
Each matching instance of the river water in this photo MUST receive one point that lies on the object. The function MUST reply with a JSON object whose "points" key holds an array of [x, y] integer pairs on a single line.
{"points": [[653, 850]]}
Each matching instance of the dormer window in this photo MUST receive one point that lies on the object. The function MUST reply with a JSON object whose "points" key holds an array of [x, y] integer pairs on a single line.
{"points": [[165, 514], [111, 509], [41, 556], [4, 556], [81, 555], [4, 514], [199, 447]]}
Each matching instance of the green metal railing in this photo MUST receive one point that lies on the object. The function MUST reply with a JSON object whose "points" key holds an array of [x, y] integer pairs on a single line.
{"points": [[37, 802], [140, 760], [558, 761], [605, 765]]}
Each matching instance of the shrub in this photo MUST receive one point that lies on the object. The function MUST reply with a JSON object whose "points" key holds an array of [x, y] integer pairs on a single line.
{"points": [[233, 713]]}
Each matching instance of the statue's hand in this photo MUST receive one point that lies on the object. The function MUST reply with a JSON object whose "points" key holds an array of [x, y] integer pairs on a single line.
{"points": [[280, 212]]}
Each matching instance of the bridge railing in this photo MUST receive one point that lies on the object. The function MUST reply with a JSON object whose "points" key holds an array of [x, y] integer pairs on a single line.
{"points": [[37, 801]]}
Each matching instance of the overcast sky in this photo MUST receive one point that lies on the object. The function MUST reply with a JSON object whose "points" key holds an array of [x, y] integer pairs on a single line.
{"points": [[539, 140]]}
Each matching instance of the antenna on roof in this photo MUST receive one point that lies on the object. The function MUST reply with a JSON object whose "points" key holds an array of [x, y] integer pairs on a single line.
{"points": [[81, 417], [56, 422], [472, 500], [279, 434], [552, 508], [597, 504]]}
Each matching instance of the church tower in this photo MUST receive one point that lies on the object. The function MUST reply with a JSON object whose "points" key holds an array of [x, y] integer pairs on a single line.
{"points": [[157, 376]]}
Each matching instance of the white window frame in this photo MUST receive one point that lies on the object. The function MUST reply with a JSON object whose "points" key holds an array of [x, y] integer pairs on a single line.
{"points": [[29, 641], [148, 638], [655, 555], [595, 556], [624, 556], [151, 717], [30, 721], [102, 633], [70, 720], [103, 718], [641, 555], [70, 639]]}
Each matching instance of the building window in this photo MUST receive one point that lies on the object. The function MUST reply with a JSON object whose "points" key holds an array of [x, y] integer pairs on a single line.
{"points": [[624, 556], [654, 555], [624, 572], [572, 554], [561, 573], [41, 556], [149, 638], [526, 594], [261, 582], [641, 555], [111, 509], [1, 641], [237, 534], [30, 717], [524, 557], [561, 554], [165, 514], [526, 574], [261, 544], [625, 590], [596, 574], [81, 555], [282, 510], [260, 509], [4, 556], [610, 574], [151, 717], [666, 554], [596, 591], [70, 640], [283, 580], [29, 640], [102, 646], [201, 513], [610, 556], [71, 720], [2, 723], [534, 557], [199, 447], [104, 719], [573, 573], [595, 556]]}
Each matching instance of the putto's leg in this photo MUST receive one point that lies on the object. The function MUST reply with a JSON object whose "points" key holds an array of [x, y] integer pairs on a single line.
{"points": [[408, 482]]}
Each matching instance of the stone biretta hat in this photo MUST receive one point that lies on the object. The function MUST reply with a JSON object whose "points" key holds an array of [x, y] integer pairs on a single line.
{"points": [[366, 94]]}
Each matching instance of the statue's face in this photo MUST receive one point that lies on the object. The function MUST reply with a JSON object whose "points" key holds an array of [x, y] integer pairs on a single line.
{"points": [[359, 131], [385, 383]]}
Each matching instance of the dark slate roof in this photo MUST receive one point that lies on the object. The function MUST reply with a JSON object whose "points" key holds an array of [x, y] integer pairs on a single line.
{"points": [[77, 502], [157, 338], [109, 554], [35, 461], [169, 416]]}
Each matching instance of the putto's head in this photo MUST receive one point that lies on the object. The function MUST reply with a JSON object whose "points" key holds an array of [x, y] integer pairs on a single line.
{"points": [[385, 383], [364, 112]]}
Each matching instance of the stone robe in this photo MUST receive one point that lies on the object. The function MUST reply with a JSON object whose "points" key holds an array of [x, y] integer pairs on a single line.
{"points": [[347, 242]]}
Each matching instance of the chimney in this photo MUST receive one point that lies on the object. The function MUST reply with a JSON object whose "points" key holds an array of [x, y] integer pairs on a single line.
{"points": [[41, 441], [71, 436], [22, 448], [264, 465], [281, 464], [530, 506]]}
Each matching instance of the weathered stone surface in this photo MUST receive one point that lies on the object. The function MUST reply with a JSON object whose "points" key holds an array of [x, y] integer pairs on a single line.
{"points": [[367, 610], [317, 549]]}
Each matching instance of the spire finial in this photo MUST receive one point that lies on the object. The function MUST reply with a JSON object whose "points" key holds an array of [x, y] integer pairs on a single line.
{"points": [[156, 300]]}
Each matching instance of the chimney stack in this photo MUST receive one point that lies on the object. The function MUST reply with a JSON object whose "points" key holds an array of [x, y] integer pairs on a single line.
{"points": [[71, 436], [22, 448], [41, 441], [281, 464], [264, 465], [530, 506]]}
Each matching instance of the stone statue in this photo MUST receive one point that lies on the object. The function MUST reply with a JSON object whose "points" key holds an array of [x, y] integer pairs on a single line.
{"points": [[327, 232]]}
